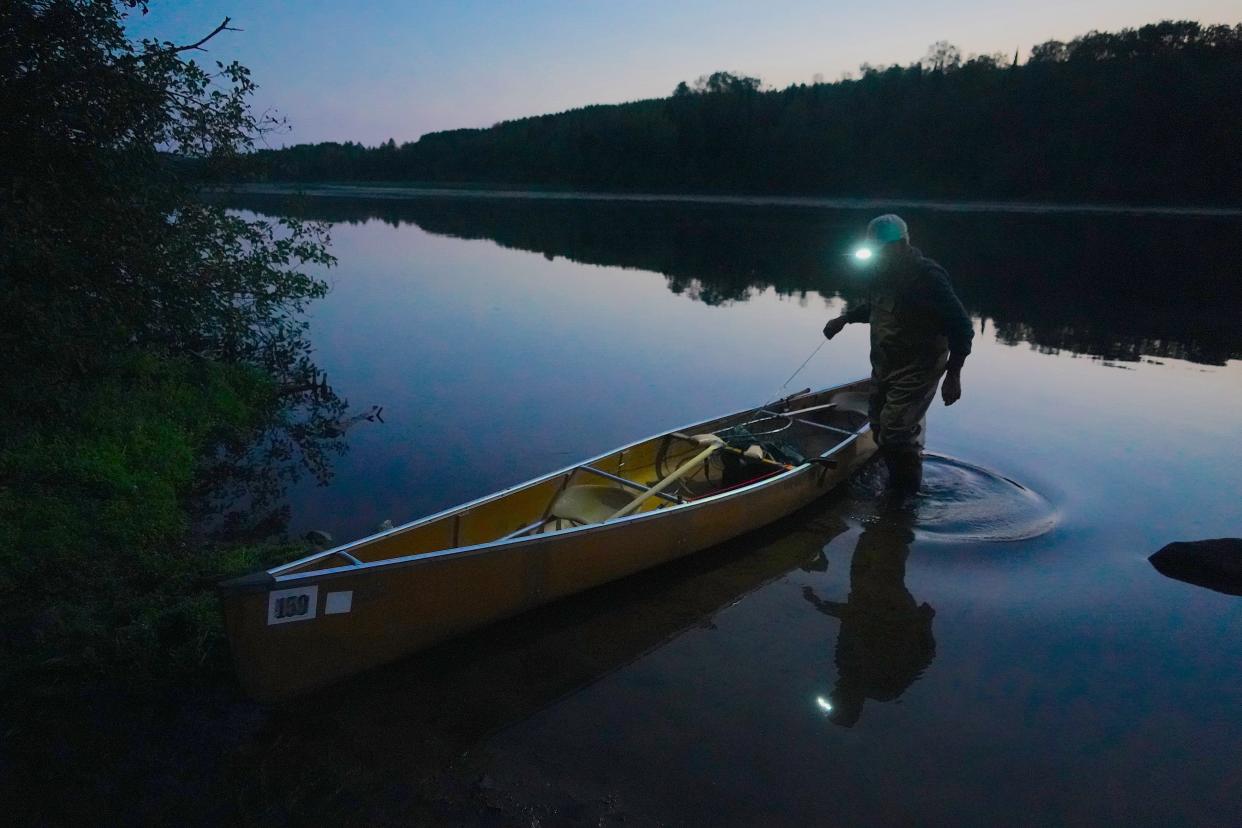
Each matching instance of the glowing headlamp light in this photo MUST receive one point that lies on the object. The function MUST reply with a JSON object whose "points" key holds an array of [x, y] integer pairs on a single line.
{"points": [[863, 254]]}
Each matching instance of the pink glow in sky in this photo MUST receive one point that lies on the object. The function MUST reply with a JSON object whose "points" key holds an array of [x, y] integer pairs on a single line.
{"points": [[374, 69]]}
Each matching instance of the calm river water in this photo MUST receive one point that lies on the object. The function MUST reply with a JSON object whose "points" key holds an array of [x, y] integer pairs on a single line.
{"points": [[1005, 654]]}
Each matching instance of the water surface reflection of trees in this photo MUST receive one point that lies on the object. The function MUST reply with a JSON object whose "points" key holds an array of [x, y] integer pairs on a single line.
{"points": [[1117, 287]]}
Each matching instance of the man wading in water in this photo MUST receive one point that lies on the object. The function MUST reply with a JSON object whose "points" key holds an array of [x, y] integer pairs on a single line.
{"points": [[918, 330]]}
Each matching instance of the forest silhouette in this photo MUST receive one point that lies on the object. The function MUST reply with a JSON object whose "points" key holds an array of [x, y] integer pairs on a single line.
{"points": [[1147, 115]]}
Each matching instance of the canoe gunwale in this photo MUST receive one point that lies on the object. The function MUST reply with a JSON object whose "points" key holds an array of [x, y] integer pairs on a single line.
{"points": [[519, 542], [282, 575]]}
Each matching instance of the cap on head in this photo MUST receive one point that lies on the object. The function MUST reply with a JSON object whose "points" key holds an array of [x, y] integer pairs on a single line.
{"points": [[887, 228]]}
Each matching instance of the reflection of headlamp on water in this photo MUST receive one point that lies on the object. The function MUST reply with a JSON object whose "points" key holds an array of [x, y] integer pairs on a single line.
{"points": [[842, 708]]}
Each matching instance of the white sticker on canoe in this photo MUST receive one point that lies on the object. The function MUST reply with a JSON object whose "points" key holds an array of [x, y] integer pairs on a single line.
{"points": [[285, 605], [338, 602]]}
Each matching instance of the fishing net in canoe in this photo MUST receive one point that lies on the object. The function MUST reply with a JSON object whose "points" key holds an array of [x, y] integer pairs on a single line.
{"points": [[760, 448], [766, 434]]}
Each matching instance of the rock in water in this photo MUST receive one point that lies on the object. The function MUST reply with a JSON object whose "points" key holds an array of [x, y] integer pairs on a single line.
{"points": [[1215, 564]]}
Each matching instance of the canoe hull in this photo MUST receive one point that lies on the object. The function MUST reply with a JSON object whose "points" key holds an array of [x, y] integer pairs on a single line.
{"points": [[361, 616]]}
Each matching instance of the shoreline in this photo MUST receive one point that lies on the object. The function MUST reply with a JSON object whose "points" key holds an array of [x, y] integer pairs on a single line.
{"points": [[402, 192]]}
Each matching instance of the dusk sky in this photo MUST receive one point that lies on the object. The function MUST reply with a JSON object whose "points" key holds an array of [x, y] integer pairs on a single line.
{"points": [[373, 69]]}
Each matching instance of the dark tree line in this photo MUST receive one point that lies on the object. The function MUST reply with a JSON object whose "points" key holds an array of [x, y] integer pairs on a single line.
{"points": [[1140, 115]]}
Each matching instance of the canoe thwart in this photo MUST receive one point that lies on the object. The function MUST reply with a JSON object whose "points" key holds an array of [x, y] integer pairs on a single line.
{"points": [[318, 556], [625, 481]]}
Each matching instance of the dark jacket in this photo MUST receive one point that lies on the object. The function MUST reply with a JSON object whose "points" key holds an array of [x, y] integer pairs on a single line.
{"points": [[915, 314]]}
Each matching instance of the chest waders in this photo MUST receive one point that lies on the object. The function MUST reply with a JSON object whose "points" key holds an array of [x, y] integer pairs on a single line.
{"points": [[908, 357]]}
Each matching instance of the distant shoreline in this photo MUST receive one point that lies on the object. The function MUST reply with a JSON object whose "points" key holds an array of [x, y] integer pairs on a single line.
{"points": [[402, 192]]}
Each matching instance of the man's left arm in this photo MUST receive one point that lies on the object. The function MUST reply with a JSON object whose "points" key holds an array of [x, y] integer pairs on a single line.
{"points": [[957, 327]]}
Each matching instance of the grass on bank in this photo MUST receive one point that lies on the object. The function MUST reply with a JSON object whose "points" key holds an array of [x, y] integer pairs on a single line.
{"points": [[99, 575]]}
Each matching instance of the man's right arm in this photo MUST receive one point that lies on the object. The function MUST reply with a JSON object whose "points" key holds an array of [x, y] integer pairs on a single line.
{"points": [[858, 313]]}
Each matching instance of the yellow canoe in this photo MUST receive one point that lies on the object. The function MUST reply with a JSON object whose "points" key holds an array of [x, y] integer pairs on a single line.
{"points": [[337, 612]]}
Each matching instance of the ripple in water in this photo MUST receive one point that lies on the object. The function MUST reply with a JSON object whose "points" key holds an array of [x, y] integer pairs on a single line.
{"points": [[960, 501]]}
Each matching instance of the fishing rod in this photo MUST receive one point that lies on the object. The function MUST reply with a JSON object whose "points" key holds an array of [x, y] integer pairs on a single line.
{"points": [[861, 255], [789, 398]]}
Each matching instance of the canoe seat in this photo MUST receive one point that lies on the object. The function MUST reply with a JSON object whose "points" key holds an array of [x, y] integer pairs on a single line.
{"points": [[857, 401], [589, 504]]}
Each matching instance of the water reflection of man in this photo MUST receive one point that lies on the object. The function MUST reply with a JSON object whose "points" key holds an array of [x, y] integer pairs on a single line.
{"points": [[885, 642], [919, 331]]}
